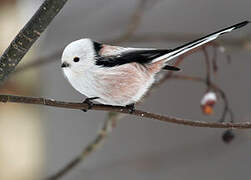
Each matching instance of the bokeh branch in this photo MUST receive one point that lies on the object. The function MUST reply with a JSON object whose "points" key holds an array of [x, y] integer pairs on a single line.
{"points": [[107, 127], [28, 35], [120, 109]]}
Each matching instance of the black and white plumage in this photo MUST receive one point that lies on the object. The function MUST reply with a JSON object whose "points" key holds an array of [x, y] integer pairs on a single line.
{"points": [[119, 75]]}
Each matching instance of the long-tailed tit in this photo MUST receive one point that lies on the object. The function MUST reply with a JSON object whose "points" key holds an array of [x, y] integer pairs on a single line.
{"points": [[117, 75]]}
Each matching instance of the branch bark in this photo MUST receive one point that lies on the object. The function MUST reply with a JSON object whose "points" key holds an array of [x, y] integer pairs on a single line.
{"points": [[119, 109], [28, 35]]}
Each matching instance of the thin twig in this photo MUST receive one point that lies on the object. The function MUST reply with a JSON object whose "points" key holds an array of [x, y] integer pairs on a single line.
{"points": [[28, 35], [208, 69], [226, 106], [214, 59], [123, 110]]}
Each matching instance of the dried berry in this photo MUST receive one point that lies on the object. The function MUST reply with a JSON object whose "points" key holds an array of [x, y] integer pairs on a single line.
{"points": [[207, 103], [228, 136]]}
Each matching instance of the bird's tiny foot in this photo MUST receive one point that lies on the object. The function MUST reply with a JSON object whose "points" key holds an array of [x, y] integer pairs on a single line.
{"points": [[89, 102], [131, 108]]}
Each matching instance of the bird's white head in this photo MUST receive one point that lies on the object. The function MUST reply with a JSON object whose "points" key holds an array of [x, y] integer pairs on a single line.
{"points": [[78, 56]]}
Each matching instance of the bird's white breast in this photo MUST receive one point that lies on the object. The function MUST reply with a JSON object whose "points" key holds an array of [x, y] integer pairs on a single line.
{"points": [[120, 85]]}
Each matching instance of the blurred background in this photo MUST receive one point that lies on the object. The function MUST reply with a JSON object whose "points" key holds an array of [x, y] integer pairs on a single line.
{"points": [[37, 141]]}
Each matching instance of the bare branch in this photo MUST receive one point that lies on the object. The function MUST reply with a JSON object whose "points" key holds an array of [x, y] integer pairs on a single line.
{"points": [[123, 110], [28, 35], [208, 71]]}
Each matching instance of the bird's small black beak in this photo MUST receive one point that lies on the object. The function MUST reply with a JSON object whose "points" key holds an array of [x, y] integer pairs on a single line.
{"points": [[64, 65]]}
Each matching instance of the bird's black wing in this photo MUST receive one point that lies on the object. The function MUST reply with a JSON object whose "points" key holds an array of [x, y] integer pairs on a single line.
{"points": [[139, 56]]}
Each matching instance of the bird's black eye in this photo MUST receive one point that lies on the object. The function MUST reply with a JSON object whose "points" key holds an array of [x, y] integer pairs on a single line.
{"points": [[76, 59]]}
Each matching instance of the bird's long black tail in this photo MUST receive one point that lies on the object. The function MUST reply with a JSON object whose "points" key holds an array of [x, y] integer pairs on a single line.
{"points": [[194, 44]]}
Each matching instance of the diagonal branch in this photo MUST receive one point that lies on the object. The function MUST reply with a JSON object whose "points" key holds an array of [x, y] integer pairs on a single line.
{"points": [[119, 109], [28, 35]]}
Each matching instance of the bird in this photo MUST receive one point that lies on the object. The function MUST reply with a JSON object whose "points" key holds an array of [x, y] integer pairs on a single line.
{"points": [[121, 76]]}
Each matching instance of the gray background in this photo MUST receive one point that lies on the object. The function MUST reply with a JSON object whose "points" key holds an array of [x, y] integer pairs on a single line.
{"points": [[148, 149]]}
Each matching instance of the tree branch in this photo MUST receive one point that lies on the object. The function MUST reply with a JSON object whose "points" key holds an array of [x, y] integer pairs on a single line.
{"points": [[28, 35], [119, 109]]}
